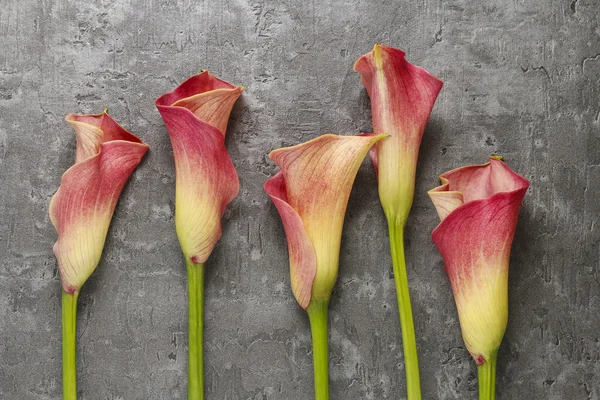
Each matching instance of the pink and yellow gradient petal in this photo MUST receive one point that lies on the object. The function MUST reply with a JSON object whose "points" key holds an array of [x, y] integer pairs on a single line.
{"points": [[196, 115], [311, 194], [314, 184], [209, 98], [475, 237], [303, 260], [402, 97], [82, 208]]}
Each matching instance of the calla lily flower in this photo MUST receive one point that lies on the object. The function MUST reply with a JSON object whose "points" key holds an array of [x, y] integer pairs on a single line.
{"points": [[196, 115], [311, 194], [478, 207], [81, 211], [402, 97]]}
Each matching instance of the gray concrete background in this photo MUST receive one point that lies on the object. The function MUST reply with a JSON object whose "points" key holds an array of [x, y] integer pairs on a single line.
{"points": [[522, 79]]}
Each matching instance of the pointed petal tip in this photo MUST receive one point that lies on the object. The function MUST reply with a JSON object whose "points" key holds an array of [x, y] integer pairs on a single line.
{"points": [[379, 136], [378, 49]]}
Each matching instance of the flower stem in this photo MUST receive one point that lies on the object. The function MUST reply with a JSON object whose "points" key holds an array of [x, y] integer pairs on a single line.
{"points": [[195, 274], [409, 342], [69, 339], [317, 314], [487, 378]]}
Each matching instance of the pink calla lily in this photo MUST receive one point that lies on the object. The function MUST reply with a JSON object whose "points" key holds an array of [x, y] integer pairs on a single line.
{"points": [[402, 97], [478, 206], [81, 211], [196, 115], [311, 194]]}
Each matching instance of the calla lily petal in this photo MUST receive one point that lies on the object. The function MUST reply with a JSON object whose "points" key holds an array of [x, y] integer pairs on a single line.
{"points": [[303, 260], [196, 115], [83, 206], [402, 97], [478, 207], [311, 194], [209, 98]]}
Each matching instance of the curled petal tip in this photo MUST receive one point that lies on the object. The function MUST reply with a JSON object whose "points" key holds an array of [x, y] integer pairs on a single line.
{"points": [[475, 182], [209, 98]]}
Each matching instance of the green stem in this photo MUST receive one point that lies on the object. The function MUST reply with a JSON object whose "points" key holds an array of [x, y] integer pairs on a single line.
{"points": [[317, 314], [195, 331], [487, 378], [69, 339], [409, 342]]}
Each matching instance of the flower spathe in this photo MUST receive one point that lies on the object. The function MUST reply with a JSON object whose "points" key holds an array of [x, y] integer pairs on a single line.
{"points": [[478, 206], [196, 115], [311, 194], [82, 208], [402, 97]]}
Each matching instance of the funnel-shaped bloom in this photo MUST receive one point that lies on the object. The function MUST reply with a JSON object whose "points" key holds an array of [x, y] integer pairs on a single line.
{"points": [[196, 116], [311, 194], [402, 96], [478, 206], [81, 209]]}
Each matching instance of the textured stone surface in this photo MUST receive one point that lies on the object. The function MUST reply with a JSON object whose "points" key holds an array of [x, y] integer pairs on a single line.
{"points": [[522, 79]]}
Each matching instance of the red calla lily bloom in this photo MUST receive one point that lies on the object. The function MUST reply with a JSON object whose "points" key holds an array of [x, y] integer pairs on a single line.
{"points": [[196, 115], [478, 206], [402, 97], [81, 211]]}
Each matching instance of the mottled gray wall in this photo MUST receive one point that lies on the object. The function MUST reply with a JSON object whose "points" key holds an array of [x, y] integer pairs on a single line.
{"points": [[522, 79]]}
